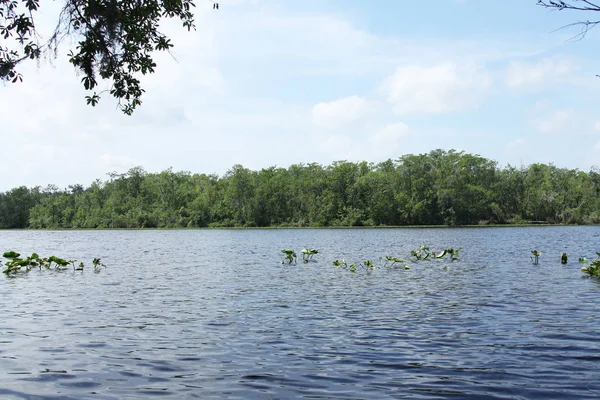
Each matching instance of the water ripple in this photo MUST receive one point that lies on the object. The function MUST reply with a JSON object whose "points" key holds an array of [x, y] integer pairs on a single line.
{"points": [[214, 314]]}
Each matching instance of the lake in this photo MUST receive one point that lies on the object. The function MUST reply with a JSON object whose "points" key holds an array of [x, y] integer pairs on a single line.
{"points": [[180, 314]]}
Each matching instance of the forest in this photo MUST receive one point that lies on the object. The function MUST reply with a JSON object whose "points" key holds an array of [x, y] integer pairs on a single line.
{"points": [[437, 188]]}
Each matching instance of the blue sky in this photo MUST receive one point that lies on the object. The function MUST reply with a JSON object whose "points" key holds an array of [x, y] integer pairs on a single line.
{"points": [[277, 82]]}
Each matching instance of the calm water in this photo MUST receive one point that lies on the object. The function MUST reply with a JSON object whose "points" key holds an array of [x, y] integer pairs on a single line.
{"points": [[213, 314]]}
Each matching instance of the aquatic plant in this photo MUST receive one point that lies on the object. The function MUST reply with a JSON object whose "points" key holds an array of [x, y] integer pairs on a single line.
{"points": [[535, 257], [393, 260], [343, 264], [60, 263], [453, 253], [593, 269], [11, 255], [563, 258], [422, 253], [368, 264], [307, 254], [290, 256], [17, 264], [97, 264]]}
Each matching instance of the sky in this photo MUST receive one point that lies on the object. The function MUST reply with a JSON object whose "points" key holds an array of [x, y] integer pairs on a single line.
{"points": [[278, 82]]}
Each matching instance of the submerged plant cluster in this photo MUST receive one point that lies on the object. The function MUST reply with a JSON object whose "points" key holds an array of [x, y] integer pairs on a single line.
{"points": [[421, 254], [16, 263]]}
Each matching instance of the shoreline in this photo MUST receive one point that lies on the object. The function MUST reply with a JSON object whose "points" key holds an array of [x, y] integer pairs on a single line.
{"points": [[524, 225]]}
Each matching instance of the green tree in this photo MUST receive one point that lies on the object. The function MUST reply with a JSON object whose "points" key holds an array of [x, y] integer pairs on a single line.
{"points": [[440, 187], [116, 41], [239, 196], [15, 206]]}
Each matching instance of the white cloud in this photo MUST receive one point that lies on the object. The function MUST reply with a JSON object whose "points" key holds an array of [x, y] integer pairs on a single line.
{"points": [[340, 112], [557, 121], [383, 144], [516, 143], [112, 162], [534, 73], [443, 88], [597, 126], [390, 135]]}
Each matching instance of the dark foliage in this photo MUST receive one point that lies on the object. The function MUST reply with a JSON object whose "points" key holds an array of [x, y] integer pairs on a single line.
{"points": [[438, 188]]}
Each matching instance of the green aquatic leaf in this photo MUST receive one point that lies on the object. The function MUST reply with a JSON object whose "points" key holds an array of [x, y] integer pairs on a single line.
{"points": [[441, 255], [290, 255], [393, 260], [369, 264], [307, 254]]}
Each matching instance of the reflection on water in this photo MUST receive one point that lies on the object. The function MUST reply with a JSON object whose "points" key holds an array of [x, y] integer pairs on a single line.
{"points": [[213, 314]]}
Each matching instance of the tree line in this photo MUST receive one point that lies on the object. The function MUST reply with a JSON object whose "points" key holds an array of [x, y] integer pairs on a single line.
{"points": [[437, 188]]}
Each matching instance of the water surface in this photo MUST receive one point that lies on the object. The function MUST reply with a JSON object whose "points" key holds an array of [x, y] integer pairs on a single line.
{"points": [[214, 314]]}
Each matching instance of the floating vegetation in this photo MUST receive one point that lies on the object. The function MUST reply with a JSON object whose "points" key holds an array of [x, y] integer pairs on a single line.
{"points": [[343, 264], [423, 254], [593, 269], [418, 256], [451, 252], [307, 254], [97, 264], [535, 257], [17, 264], [393, 260], [290, 256], [368, 264]]}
